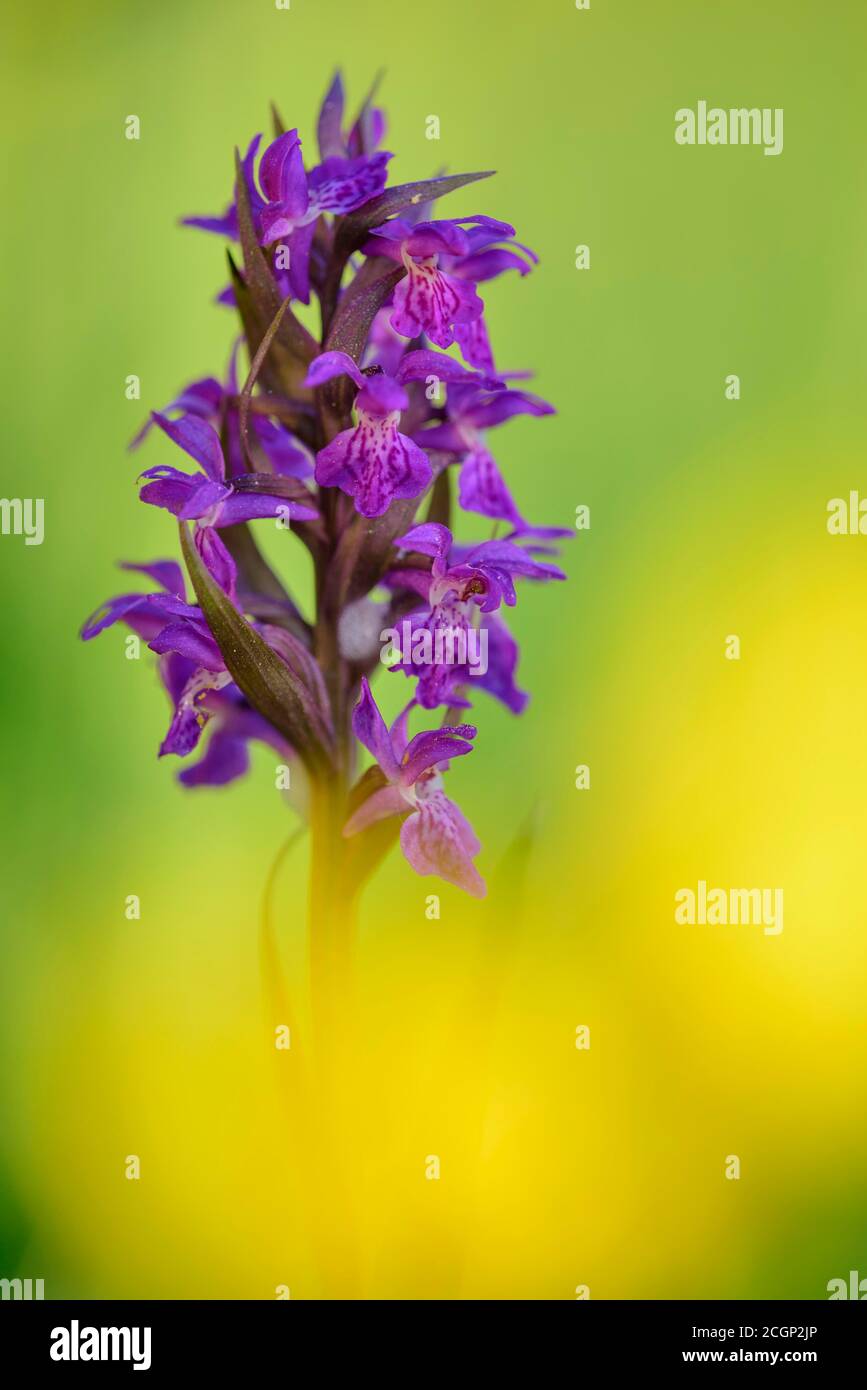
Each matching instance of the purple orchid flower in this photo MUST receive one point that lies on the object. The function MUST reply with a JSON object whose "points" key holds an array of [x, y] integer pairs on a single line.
{"points": [[436, 837], [462, 583], [209, 498], [394, 295], [483, 656], [482, 488], [292, 200], [219, 406], [287, 202], [444, 261], [373, 462], [234, 726], [203, 687], [194, 674]]}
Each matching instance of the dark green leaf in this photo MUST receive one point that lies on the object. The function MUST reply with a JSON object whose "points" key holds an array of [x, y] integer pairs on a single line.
{"points": [[359, 306], [255, 575], [311, 687], [357, 224], [258, 672], [262, 592]]}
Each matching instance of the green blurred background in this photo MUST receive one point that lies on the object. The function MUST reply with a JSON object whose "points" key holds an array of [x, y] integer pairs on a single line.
{"points": [[560, 1167]]}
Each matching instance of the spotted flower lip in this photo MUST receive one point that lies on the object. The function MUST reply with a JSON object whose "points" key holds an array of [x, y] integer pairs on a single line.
{"points": [[373, 462], [444, 260], [435, 837]]}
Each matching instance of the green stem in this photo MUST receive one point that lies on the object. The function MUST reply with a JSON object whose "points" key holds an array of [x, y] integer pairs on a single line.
{"points": [[332, 918], [332, 929]]}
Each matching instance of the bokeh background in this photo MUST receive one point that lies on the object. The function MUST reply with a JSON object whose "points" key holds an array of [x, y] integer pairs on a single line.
{"points": [[559, 1167]]}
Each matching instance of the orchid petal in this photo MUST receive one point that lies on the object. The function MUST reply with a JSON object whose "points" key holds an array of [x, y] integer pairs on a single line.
{"points": [[198, 439], [437, 839], [387, 801], [369, 728]]}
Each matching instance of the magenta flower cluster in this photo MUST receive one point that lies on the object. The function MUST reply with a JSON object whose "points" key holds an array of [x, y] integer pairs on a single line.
{"points": [[363, 442]]}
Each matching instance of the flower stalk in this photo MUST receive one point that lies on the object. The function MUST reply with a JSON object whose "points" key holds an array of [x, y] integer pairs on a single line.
{"points": [[370, 448]]}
